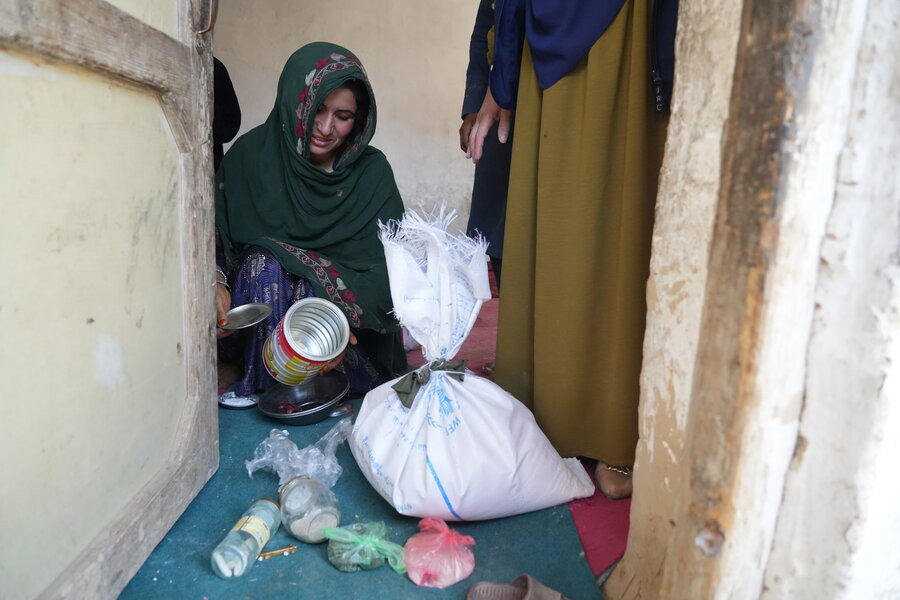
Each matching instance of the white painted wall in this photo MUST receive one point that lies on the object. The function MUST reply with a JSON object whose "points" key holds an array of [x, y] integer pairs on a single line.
{"points": [[416, 55], [840, 513]]}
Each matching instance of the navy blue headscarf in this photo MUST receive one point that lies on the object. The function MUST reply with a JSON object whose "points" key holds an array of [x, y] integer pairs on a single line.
{"points": [[560, 33]]}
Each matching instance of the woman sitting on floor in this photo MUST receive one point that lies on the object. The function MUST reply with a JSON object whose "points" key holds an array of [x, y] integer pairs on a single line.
{"points": [[298, 201]]}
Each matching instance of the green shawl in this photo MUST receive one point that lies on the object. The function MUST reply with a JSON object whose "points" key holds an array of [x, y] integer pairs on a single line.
{"points": [[321, 226]]}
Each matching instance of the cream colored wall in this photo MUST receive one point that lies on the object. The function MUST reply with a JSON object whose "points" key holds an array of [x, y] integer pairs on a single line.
{"points": [[91, 354], [415, 53], [162, 15]]}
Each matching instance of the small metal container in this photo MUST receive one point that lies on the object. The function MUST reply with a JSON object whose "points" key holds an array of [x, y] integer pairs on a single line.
{"points": [[312, 333]]}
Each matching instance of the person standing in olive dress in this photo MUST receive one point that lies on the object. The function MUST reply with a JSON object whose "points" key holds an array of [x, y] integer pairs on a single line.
{"points": [[588, 149]]}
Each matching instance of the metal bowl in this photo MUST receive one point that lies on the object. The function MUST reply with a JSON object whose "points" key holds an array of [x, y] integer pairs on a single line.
{"points": [[310, 402]]}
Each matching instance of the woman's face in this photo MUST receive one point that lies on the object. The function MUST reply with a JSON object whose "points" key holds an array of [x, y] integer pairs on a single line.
{"points": [[334, 122]]}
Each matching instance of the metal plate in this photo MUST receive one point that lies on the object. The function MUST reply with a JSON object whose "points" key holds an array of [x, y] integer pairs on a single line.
{"points": [[231, 400], [246, 315], [311, 401]]}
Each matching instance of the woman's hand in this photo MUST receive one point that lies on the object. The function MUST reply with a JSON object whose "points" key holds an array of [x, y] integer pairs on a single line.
{"points": [[337, 360], [223, 303], [490, 111], [464, 129]]}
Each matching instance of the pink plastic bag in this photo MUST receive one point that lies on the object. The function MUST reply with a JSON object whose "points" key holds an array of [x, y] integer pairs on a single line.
{"points": [[437, 556]]}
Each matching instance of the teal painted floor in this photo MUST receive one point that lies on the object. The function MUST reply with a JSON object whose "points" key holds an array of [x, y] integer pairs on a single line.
{"points": [[543, 544]]}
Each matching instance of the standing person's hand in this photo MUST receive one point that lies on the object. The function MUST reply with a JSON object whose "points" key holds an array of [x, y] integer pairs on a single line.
{"points": [[490, 111], [464, 129]]}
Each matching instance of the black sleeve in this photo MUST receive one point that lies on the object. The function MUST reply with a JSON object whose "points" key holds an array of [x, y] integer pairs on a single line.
{"points": [[479, 70], [226, 110]]}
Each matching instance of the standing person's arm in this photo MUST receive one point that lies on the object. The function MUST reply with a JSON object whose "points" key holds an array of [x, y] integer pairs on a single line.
{"points": [[478, 72], [503, 80]]}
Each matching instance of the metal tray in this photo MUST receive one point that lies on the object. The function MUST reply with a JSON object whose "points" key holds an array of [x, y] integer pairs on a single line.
{"points": [[246, 315], [312, 401]]}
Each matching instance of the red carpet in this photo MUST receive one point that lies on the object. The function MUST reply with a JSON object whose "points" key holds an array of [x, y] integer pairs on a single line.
{"points": [[602, 524], [480, 347]]}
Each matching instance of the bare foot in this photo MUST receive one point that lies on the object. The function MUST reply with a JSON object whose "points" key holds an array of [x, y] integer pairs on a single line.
{"points": [[614, 482], [226, 375]]}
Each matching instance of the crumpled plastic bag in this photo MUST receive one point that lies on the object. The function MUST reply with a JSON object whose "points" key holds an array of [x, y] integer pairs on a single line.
{"points": [[318, 461], [438, 556], [362, 546]]}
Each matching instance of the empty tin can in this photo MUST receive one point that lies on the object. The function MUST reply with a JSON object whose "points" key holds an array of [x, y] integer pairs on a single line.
{"points": [[312, 333]]}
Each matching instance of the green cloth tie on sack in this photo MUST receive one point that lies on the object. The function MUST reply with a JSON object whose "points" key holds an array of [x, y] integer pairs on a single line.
{"points": [[363, 546], [408, 386]]}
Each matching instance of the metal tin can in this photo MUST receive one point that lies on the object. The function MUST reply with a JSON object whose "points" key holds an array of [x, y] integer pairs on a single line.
{"points": [[312, 333]]}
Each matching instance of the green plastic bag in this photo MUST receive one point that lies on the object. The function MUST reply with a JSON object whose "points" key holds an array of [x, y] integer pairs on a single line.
{"points": [[363, 546]]}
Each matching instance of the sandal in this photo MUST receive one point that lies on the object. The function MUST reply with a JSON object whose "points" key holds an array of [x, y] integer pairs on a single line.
{"points": [[523, 587]]}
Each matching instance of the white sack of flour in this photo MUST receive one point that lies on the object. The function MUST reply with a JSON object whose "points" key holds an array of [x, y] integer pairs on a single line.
{"points": [[452, 445]]}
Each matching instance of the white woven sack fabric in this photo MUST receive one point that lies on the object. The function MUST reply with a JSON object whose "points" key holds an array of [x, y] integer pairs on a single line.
{"points": [[438, 281], [465, 451]]}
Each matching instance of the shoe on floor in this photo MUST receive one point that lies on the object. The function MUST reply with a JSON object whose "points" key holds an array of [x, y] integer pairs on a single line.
{"points": [[614, 482], [523, 587]]}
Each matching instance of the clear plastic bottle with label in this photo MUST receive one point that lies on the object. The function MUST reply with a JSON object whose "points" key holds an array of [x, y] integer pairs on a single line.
{"points": [[308, 507], [241, 547]]}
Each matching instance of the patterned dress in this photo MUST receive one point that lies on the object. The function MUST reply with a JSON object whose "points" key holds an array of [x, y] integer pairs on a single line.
{"points": [[259, 277]]}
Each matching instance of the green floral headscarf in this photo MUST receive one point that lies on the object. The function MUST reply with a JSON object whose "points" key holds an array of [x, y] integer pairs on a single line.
{"points": [[320, 225]]}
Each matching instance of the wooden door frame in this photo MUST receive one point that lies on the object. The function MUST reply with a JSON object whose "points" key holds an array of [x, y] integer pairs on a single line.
{"points": [[94, 35], [776, 430]]}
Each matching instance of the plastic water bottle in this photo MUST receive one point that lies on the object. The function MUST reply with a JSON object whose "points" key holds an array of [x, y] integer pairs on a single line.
{"points": [[241, 547]]}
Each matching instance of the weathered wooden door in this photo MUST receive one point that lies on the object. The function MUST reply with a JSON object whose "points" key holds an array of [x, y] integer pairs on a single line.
{"points": [[106, 351], [770, 421]]}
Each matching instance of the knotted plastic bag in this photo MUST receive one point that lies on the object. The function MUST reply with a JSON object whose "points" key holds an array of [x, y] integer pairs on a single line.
{"points": [[438, 556], [318, 461], [362, 546], [440, 442]]}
